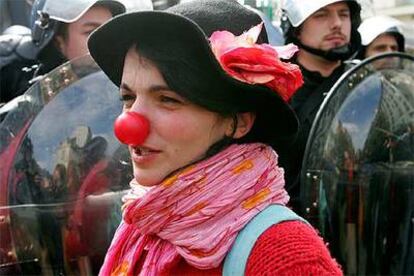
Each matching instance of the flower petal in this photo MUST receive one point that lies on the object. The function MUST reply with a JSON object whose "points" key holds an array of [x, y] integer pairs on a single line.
{"points": [[253, 63], [221, 41], [257, 78], [250, 37], [286, 51]]}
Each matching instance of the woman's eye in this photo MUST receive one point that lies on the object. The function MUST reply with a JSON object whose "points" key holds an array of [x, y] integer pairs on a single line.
{"points": [[168, 99], [127, 100]]}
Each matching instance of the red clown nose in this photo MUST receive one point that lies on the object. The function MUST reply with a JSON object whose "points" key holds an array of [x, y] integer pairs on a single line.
{"points": [[131, 128]]}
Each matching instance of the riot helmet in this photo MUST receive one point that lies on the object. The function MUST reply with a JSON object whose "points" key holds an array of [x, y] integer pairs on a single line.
{"points": [[47, 15], [295, 12], [373, 27]]}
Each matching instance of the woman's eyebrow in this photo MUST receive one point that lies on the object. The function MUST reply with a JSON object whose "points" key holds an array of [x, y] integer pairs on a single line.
{"points": [[153, 88], [157, 88], [125, 87]]}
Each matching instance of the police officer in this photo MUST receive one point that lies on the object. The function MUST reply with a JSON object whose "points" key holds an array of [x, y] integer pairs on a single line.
{"points": [[59, 31], [380, 34], [326, 34]]}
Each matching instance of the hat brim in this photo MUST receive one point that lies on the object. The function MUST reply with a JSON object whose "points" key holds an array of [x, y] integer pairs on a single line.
{"points": [[109, 44]]}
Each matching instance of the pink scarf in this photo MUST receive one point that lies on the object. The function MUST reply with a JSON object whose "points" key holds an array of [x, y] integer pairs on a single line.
{"points": [[197, 212]]}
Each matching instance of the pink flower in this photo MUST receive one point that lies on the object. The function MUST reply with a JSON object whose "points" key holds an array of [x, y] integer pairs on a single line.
{"points": [[253, 63]]}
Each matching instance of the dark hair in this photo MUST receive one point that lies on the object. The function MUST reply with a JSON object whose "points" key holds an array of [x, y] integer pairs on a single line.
{"points": [[176, 41], [62, 30], [188, 79], [114, 8]]}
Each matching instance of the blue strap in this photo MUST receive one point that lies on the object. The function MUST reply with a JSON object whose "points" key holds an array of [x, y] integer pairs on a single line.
{"points": [[236, 259]]}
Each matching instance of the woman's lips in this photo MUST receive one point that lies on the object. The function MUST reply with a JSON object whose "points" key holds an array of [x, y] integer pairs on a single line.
{"points": [[140, 154]]}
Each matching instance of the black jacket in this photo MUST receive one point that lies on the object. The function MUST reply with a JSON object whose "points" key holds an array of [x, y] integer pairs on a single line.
{"points": [[21, 62], [14, 79], [306, 102]]}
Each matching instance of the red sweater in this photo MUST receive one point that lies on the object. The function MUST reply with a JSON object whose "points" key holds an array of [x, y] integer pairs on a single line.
{"points": [[287, 248]]}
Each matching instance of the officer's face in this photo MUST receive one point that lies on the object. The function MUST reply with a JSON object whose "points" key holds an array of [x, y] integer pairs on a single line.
{"points": [[327, 28], [75, 43], [382, 44]]}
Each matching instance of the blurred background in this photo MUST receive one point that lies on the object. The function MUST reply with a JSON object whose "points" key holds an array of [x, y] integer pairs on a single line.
{"points": [[400, 9], [14, 12], [17, 12], [59, 188]]}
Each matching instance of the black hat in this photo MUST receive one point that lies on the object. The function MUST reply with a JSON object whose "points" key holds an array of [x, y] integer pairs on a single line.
{"points": [[190, 24]]}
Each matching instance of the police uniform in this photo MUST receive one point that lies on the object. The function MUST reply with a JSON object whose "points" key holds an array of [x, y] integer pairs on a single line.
{"points": [[309, 97], [27, 54]]}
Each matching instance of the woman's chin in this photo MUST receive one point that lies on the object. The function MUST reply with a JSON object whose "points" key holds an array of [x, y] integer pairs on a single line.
{"points": [[147, 182]]}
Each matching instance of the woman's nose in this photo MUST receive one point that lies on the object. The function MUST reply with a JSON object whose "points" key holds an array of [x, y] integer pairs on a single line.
{"points": [[131, 128]]}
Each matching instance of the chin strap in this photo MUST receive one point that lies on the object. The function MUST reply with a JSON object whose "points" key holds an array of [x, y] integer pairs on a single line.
{"points": [[338, 53]]}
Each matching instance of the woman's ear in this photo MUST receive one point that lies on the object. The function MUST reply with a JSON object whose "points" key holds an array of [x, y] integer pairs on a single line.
{"points": [[245, 123]]}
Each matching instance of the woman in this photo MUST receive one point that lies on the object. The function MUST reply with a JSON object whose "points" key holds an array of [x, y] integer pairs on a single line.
{"points": [[204, 110]]}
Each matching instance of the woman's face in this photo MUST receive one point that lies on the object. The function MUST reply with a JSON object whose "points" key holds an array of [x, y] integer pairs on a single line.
{"points": [[180, 132]]}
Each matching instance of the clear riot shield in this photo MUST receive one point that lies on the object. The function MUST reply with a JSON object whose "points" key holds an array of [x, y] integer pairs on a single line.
{"points": [[358, 171], [62, 174]]}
